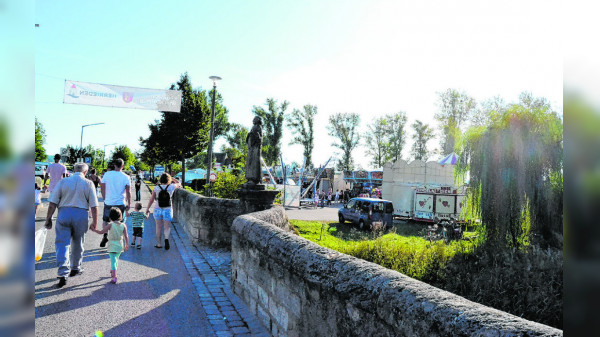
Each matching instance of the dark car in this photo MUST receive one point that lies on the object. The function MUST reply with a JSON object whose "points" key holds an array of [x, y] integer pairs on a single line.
{"points": [[364, 211]]}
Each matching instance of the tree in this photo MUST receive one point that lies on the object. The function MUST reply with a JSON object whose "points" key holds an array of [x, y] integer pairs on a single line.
{"points": [[423, 134], [123, 152], [515, 166], [179, 136], [397, 135], [40, 140], [238, 148], [75, 153], [272, 119], [377, 141], [301, 123], [343, 127], [494, 105], [455, 108]]}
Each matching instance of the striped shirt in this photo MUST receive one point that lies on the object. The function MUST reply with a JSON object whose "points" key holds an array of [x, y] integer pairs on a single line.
{"points": [[137, 218]]}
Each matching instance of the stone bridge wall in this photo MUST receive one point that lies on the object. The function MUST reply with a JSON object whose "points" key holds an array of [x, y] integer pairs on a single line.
{"points": [[297, 288], [208, 220]]}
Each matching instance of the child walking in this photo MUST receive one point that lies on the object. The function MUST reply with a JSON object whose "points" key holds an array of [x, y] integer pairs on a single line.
{"points": [[38, 197], [137, 220], [117, 240]]}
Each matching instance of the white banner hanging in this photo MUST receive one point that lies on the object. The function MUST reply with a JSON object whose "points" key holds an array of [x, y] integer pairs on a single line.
{"points": [[121, 97]]}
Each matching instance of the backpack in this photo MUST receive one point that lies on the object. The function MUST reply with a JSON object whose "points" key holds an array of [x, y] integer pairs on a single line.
{"points": [[164, 198]]}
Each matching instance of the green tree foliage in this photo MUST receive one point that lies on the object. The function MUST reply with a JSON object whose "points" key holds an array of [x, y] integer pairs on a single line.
{"points": [[455, 108], [377, 141], [515, 163], [422, 134], [395, 130], [272, 120], [238, 148], [5, 147], [123, 152], [179, 136], [40, 139], [88, 151], [343, 127], [227, 184], [302, 125]]}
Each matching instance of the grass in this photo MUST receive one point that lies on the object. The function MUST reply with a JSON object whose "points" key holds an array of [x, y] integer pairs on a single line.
{"points": [[401, 248], [527, 283], [150, 184]]}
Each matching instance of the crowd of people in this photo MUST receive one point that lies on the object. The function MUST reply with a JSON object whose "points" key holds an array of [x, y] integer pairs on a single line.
{"points": [[76, 198]]}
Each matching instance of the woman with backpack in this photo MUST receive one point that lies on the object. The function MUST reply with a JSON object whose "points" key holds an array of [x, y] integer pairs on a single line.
{"points": [[163, 210]]}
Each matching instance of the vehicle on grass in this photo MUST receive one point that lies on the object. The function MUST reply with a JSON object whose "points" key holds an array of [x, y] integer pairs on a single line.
{"points": [[364, 211]]}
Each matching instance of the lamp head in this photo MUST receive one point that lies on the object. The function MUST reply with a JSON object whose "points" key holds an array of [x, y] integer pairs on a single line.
{"points": [[215, 79]]}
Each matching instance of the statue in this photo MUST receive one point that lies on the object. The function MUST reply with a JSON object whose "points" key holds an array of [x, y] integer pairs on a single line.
{"points": [[253, 163]]}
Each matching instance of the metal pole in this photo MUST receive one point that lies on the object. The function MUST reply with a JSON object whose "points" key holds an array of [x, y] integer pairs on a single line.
{"points": [[81, 140], [210, 142]]}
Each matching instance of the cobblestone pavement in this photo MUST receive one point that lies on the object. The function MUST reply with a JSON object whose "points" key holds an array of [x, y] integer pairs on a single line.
{"points": [[210, 271]]}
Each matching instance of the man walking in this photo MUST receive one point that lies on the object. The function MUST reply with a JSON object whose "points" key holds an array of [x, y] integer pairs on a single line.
{"points": [[56, 171], [73, 197], [115, 188]]}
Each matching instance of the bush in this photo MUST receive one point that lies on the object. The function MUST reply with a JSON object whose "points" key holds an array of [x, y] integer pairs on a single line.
{"points": [[227, 184], [527, 284]]}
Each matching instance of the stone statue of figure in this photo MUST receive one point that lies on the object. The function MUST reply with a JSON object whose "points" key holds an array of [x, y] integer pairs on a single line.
{"points": [[254, 141]]}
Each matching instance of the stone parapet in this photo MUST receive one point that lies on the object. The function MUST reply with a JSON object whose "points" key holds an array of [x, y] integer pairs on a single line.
{"points": [[297, 288]]}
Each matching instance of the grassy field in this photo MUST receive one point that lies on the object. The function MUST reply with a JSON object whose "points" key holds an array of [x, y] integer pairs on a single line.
{"points": [[401, 248]]}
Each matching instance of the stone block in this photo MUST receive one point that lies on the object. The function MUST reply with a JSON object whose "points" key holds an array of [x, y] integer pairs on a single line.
{"points": [[263, 317], [279, 313], [263, 297]]}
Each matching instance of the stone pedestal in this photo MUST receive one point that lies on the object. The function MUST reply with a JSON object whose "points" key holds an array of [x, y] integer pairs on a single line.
{"points": [[255, 198]]}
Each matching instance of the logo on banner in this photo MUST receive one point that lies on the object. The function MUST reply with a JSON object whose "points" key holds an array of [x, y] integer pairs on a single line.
{"points": [[127, 97], [73, 91]]}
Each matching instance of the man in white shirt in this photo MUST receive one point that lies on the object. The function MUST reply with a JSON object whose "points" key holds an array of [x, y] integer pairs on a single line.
{"points": [[115, 189]]}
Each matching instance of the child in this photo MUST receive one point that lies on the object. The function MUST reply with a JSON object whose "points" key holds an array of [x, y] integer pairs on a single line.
{"points": [[38, 197], [137, 220], [117, 239]]}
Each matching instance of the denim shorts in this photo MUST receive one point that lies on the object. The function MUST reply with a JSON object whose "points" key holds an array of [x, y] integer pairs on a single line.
{"points": [[163, 214]]}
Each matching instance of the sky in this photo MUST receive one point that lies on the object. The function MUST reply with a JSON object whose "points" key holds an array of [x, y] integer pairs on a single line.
{"points": [[369, 57]]}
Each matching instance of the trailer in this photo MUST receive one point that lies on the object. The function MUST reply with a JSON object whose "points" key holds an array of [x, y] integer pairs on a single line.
{"points": [[426, 202]]}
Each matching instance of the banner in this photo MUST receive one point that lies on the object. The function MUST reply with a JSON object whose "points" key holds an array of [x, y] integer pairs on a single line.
{"points": [[121, 97]]}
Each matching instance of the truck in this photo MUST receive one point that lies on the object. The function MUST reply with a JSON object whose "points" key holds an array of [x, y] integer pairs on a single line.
{"points": [[158, 170]]}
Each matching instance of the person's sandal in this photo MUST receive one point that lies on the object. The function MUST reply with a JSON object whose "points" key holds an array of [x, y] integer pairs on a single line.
{"points": [[157, 246], [139, 246], [114, 280], [167, 245]]}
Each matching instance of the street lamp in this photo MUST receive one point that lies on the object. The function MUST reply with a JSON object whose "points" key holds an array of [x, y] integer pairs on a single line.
{"points": [[104, 153], [83, 126], [212, 132]]}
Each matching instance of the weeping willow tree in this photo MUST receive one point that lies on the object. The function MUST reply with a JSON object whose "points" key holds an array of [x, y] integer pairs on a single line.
{"points": [[515, 168]]}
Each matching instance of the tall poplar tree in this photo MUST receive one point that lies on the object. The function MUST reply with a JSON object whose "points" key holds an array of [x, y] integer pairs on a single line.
{"points": [[272, 120], [302, 125], [422, 134], [343, 127]]}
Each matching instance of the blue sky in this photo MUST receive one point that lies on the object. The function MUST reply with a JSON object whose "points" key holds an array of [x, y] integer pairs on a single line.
{"points": [[370, 57]]}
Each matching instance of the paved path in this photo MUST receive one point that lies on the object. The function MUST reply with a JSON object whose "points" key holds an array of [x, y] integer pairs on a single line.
{"points": [[181, 292], [327, 213]]}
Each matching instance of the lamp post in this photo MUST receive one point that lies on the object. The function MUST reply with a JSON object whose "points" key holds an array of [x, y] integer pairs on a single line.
{"points": [[83, 126], [104, 153], [212, 133]]}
